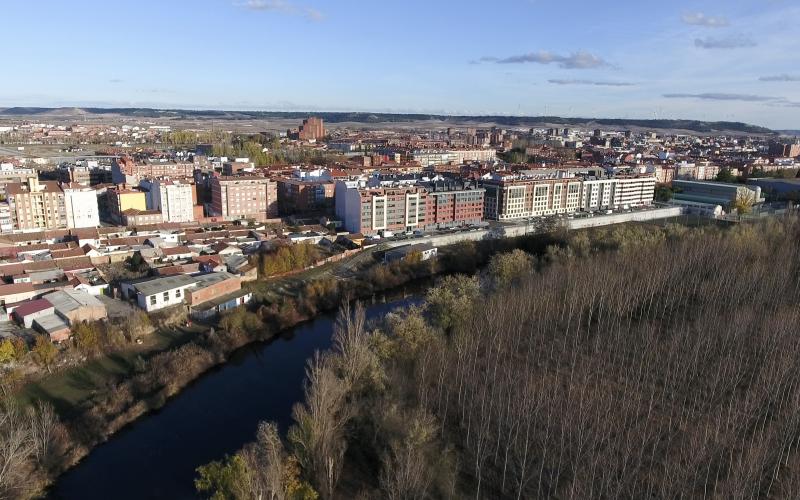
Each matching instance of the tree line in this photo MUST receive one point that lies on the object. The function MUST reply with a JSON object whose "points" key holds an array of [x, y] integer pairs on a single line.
{"points": [[626, 363]]}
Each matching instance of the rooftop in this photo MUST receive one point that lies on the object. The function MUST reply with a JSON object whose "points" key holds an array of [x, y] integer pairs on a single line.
{"points": [[70, 299]]}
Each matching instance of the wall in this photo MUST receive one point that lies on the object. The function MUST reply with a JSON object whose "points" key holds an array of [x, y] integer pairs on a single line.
{"points": [[638, 216], [198, 296]]}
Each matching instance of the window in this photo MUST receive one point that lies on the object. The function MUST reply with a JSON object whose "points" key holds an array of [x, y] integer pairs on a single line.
{"points": [[178, 293], [153, 300], [166, 296]]}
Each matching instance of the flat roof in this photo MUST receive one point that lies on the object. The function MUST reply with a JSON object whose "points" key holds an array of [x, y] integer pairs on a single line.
{"points": [[166, 283], [70, 299], [51, 323], [163, 284]]}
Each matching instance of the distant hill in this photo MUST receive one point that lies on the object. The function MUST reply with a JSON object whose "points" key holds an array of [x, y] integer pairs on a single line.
{"points": [[377, 118]]}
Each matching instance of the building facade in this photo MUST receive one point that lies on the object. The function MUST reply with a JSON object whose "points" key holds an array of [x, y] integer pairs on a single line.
{"points": [[36, 205], [370, 211], [128, 171], [296, 196], [243, 198], [121, 199], [427, 158], [514, 198], [312, 129], [81, 209], [174, 199]]}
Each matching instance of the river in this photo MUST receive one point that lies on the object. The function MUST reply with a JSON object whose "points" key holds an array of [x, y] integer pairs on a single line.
{"points": [[156, 456]]}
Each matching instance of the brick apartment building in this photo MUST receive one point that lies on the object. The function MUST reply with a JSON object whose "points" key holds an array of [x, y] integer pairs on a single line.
{"points": [[89, 173], [403, 208], [297, 196], [312, 129], [781, 150], [244, 197], [36, 205], [128, 171]]}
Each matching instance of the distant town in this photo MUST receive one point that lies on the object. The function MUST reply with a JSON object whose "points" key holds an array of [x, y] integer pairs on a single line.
{"points": [[195, 205]]}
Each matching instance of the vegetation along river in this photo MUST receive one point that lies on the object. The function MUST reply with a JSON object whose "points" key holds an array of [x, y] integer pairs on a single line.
{"points": [[156, 456]]}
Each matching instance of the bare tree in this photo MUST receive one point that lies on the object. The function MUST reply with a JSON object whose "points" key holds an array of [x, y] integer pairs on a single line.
{"points": [[318, 435]]}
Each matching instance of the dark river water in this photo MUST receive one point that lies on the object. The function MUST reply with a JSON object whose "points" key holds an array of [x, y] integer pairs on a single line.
{"points": [[156, 456]]}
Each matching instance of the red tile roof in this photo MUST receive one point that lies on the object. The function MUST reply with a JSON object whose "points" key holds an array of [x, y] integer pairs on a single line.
{"points": [[31, 307]]}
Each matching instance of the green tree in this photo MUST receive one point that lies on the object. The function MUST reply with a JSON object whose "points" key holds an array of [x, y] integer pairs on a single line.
{"points": [[744, 202], [725, 175], [664, 193], [7, 352], [20, 348], [507, 268], [44, 352], [87, 338], [227, 479], [452, 300]]}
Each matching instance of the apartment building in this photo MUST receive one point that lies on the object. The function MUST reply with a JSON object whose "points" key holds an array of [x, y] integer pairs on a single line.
{"points": [[121, 199], [173, 198], [11, 174], [514, 198], [80, 204], [510, 199], [312, 129], [633, 191], [88, 173], [427, 158], [297, 196], [782, 150], [450, 205], [403, 208], [128, 171], [36, 205], [244, 198]]}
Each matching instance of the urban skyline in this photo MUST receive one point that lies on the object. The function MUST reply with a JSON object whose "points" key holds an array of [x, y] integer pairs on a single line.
{"points": [[707, 60]]}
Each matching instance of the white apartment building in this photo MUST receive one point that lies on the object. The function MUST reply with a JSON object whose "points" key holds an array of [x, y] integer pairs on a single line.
{"points": [[598, 194], [80, 203], [428, 158], [634, 191], [510, 199], [174, 199]]}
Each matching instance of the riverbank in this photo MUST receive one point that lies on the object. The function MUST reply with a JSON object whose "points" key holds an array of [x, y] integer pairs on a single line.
{"points": [[165, 374], [156, 456]]}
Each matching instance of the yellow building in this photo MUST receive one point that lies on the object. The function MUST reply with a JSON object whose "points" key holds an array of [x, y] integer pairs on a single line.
{"points": [[122, 199]]}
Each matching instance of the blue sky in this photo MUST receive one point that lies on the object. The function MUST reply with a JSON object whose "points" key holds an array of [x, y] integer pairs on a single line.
{"points": [[709, 60]]}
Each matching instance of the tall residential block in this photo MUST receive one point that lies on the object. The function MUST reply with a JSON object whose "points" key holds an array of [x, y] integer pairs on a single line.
{"points": [[403, 208], [80, 203], [36, 205], [173, 198], [312, 129], [244, 197], [514, 198]]}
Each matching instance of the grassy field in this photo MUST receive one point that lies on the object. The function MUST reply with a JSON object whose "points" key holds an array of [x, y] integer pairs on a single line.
{"points": [[71, 388]]}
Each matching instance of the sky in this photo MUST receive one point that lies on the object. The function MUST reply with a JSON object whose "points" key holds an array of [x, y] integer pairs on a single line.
{"points": [[736, 60]]}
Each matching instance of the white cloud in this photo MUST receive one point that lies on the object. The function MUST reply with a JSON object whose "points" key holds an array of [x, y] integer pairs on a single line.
{"points": [[780, 78], [283, 7], [732, 42], [576, 60], [700, 19], [598, 83]]}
